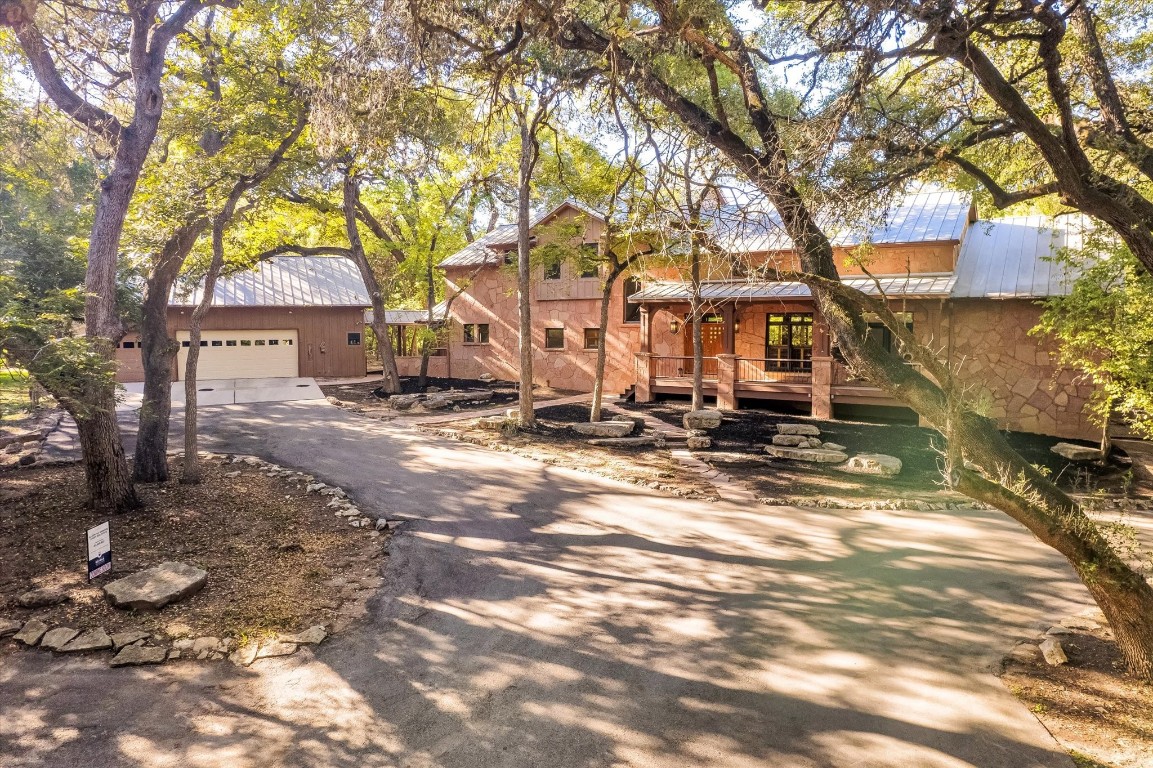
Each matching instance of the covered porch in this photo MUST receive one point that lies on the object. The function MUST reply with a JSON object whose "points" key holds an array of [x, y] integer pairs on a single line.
{"points": [[767, 341]]}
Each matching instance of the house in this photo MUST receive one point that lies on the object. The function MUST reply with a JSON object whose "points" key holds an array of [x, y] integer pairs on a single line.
{"points": [[289, 316], [967, 287]]}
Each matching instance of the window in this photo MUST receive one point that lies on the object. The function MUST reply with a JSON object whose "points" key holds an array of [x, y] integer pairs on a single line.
{"points": [[246, 342], [129, 345], [354, 339], [881, 334], [259, 342], [632, 285], [554, 338], [476, 333], [588, 263], [217, 343], [288, 342], [552, 271], [203, 343], [276, 342], [185, 344], [592, 338], [789, 342], [230, 343]]}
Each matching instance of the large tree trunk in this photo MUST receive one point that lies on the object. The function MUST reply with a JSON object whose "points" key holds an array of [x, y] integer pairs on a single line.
{"points": [[602, 347], [698, 397], [524, 272], [105, 466]]}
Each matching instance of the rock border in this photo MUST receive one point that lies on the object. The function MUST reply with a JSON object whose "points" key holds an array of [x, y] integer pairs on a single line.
{"points": [[132, 648]]}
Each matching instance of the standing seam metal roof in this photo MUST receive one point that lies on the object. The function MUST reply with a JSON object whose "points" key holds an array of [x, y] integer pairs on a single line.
{"points": [[480, 251], [1013, 258], [926, 285], [284, 281]]}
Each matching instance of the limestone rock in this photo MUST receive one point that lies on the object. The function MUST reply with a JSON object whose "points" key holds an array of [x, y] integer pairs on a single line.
{"points": [[793, 441], [699, 443], [818, 455], [832, 447], [603, 429], [41, 598], [808, 430], [702, 419], [1076, 452], [468, 396], [92, 640], [486, 377], [638, 422], [402, 402], [623, 442], [437, 402], [31, 633], [9, 627], [497, 423], [121, 639], [205, 644], [55, 639], [276, 648], [873, 464], [1025, 653], [732, 457], [244, 656], [1058, 630], [310, 636], [1080, 622], [156, 587], [135, 655], [1053, 651]]}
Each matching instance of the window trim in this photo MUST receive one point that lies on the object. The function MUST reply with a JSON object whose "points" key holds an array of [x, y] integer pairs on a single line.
{"points": [[476, 341]]}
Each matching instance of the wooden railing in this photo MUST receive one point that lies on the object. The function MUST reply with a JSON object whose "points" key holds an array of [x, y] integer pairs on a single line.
{"points": [[760, 369], [843, 376], [682, 368]]}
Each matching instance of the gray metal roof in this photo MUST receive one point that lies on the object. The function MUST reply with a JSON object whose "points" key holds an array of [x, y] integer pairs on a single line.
{"points": [[1011, 258], [909, 286], [285, 281], [921, 217], [481, 251], [407, 316]]}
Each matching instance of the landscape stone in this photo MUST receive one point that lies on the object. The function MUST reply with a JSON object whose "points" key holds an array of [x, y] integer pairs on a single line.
{"points": [[603, 428], [31, 633], [699, 443], [833, 447], [121, 639], [1058, 630], [1080, 622], [873, 464], [402, 402], [135, 655], [485, 377], [92, 640], [1053, 652], [310, 636], [276, 648], [624, 442], [27, 460], [381, 524], [732, 457], [1076, 452], [244, 656], [315, 487], [1024, 652], [469, 396], [156, 587], [205, 644], [638, 422], [437, 402], [702, 419], [55, 639], [41, 598], [818, 455], [498, 423], [808, 430], [794, 441], [9, 627]]}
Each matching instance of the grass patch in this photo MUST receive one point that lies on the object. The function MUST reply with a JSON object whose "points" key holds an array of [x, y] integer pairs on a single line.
{"points": [[14, 402]]}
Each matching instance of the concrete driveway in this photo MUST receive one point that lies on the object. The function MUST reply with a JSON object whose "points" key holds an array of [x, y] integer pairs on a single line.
{"points": [[536, 616], [231, 391]]}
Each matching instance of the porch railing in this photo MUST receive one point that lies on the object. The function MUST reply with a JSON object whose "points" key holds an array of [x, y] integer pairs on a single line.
{"points": [[682, 368], [843, 376], [765, 370]]}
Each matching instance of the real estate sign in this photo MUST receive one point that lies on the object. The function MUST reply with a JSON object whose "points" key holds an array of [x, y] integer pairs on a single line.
{"points": [[99, 551]]}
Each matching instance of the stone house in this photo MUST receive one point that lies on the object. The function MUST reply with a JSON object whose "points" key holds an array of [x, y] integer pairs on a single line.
{"points": [[967, 287]]}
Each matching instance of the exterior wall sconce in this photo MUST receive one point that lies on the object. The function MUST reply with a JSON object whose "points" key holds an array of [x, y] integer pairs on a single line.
{"points": [[737, 325], [674, 326]]}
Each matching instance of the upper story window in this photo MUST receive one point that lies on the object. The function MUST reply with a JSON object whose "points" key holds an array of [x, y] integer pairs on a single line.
{"points": [[632, 284], [589, 261], [476, 333], [552, 271]]}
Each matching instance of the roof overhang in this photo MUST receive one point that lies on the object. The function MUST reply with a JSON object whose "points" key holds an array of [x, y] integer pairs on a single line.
{"points": [[928, 286]]}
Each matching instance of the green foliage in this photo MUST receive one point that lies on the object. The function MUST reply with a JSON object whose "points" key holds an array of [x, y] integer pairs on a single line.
{"points": [[1104, 328]]}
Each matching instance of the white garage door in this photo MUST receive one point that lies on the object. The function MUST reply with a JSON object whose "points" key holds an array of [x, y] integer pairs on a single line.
{"points": [[242, 354]]}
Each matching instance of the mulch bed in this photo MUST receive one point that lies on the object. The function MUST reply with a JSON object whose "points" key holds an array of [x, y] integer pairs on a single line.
{"points": [[1098, 712], [366, 399], [277, 558], [553, 442], [919, 450]]}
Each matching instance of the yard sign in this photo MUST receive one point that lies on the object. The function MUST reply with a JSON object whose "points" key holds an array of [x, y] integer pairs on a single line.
{"points": [[99, 551]]}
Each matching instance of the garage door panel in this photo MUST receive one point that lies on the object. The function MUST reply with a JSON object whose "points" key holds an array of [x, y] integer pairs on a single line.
{"points": [[243, 354]]}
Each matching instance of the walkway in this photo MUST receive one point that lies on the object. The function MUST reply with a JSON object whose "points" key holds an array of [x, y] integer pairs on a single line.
{"points": [[537, 616]]}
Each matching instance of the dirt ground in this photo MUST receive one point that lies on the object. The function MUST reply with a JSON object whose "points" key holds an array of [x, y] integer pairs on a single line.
{"points": [[554, 442], [1103, 716], [364, 397], [277, 558]]}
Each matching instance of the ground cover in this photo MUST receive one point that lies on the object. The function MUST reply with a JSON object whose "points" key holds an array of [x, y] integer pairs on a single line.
{"points": [[365, 397], [278, 558], [14, 402]]}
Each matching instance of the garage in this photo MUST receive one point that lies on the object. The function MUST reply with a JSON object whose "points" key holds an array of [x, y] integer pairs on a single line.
{"points": [[248, 354]]}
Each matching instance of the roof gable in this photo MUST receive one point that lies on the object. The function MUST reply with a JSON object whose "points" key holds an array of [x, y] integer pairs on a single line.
{"points": [[484, 250]]}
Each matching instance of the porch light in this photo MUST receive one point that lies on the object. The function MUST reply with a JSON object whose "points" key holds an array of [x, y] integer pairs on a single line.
{"points": [[737, 325], [674, 326]]}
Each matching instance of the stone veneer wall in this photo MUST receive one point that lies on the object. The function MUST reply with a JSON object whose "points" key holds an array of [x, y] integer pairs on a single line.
{"points": [[1025, 388]]}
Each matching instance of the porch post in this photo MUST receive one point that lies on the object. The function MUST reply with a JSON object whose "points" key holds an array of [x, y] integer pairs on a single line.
{"points": [[727, 382], [643, 391], [729, 340], [822, 383], [646, 330]]}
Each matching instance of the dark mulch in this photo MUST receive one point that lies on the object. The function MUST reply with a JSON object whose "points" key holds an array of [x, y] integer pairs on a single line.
{"points": [[370, 396], [277, 558]]}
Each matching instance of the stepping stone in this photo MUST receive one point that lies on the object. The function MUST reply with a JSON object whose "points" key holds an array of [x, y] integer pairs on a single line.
{"points": [[9, 627], [604, 428], [1053, 651], [699, 443], [276, 648], [135, 655], [818, 455], [31, 633], [1076, 452], [55, 639], [702, 419], [154, 588], [310, 636], [791, 441], [41, 598], [121, 639], [623, 442], [798, 429], [92, 640], [873, 464]]}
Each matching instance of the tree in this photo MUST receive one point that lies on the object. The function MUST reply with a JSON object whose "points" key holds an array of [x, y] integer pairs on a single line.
{"points": [[137, 41]]}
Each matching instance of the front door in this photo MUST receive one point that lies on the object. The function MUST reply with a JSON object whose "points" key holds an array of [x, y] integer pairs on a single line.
{"points": [[712, 342]]}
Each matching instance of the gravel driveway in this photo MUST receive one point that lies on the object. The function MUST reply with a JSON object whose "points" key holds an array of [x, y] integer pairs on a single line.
{"points": [[533, 616]]}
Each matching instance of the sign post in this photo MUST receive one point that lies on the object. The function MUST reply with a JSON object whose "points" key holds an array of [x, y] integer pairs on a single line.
{"points": [[99, 551]]}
